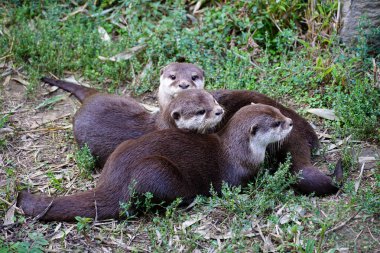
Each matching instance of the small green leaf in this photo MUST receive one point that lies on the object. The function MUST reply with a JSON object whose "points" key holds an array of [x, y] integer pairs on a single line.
{"points": [[50, 101]]}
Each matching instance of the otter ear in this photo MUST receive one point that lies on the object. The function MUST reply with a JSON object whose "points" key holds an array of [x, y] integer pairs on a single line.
{"points": [[203, 73], [176, 115], [161, 71], [253, 129]]}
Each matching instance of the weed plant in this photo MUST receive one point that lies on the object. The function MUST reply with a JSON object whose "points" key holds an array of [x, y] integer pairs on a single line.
{"points": [[85, 161]]}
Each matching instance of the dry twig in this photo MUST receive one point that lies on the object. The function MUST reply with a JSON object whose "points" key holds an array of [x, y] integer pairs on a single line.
{"points": [[342, 224]]}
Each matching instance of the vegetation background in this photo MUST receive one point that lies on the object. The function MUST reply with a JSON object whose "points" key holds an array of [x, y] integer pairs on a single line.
{"points": [[289, 50]]}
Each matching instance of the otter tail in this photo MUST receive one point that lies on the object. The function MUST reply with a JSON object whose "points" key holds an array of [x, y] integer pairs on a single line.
{"points": [[314, 181], [80, 92], [91, 204]]}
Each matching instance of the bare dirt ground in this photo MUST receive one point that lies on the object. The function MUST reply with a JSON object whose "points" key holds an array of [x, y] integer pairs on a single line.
{"points": [[40, 147]]}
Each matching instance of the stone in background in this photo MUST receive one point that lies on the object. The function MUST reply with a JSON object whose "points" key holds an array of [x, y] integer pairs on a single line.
{"points": [[352, 11]]}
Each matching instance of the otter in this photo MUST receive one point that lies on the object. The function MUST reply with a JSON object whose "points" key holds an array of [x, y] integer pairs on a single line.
{"points": [[177, 77], [104, 121], [299, 143], [170, 164], [174, 78]]}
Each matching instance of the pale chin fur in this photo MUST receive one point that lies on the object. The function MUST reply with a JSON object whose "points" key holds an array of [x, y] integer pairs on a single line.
{"points": [[259, 145], [212, 122], [164, 96], [276, 145], [199, 83], [199, 123], [191, 124]]}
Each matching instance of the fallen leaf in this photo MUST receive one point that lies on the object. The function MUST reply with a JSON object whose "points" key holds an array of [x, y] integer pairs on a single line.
{"points": [[285, 219], [197, 6], [127, 54], [9, 216], [338, 143], [61, 234], [331, 147], [194, 219], [103, 34], [357, 182], [22, 81], [324, 113], [300, 210], [5, 131], [78, 10], [324, 135], [363, 159], [45, 117], [50, 101], [208, 235], [192, 18], [7, 80], [268, 245], [71, 79], [159, 237]]}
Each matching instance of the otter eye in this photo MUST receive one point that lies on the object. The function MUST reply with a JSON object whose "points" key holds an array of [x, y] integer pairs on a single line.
{"points": [[253, 129], [276, 124], [172, 77], [175, 115], [201, 112], [194, 77]]}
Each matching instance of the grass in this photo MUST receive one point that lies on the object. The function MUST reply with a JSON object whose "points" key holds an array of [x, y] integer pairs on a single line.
{"points": [[255, 45], [85, 161]]}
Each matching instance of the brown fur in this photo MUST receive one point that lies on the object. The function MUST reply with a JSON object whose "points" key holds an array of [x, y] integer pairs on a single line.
{"points": [[170, 164], [80, 92], [299, 144], [105, 121]]}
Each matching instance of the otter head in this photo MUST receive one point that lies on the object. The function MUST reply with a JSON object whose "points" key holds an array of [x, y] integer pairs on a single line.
{"points": [[270, 126], [194, 110], [177, 77], [257, 126]]}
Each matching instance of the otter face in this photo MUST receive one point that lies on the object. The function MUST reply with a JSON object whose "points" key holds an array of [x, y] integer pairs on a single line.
{"points": [[196, 110], [177, 77], [270, 126]]}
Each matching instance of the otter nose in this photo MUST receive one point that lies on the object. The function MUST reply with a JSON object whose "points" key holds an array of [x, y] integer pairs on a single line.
{"points": [[184, 85], [219, 112]]}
